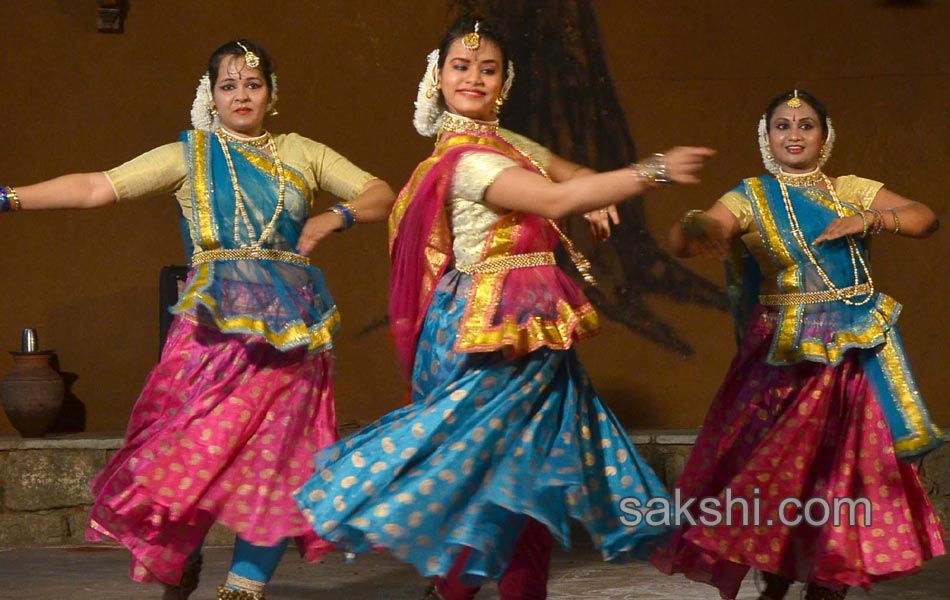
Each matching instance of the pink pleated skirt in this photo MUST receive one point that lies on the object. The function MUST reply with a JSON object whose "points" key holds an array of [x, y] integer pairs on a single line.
{"points": [[224, 431], [807, 431]]}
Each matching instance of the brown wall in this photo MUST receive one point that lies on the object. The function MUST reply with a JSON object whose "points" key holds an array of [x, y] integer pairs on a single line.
{"points": [[687, 72]]}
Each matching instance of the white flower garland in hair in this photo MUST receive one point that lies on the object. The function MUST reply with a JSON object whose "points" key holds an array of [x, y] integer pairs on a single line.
{"points": [[509, 79], [427, 118], [829, 144], [772, 166], [273, 95], [201, 115]]}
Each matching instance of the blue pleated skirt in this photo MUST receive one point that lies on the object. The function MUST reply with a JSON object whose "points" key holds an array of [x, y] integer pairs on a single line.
{"points": [[487, 443]]}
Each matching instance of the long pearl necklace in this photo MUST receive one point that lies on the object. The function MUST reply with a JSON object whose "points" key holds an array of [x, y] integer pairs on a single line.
{"points": [[240, 209], [853, 249]]}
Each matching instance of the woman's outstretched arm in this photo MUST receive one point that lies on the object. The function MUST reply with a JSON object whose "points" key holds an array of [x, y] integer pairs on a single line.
{"points": [[524, 191], [76, 190]]}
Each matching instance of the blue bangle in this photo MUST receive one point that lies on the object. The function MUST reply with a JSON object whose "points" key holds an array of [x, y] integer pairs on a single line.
{"points": [[344, 210], [5, 204]]}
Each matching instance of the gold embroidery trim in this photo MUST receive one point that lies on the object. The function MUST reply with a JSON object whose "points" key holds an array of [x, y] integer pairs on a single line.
{"points": [[815, 297], [207, 228], [318, 335], [205, 256], [266, 164], [790, 277], [506, 263]]}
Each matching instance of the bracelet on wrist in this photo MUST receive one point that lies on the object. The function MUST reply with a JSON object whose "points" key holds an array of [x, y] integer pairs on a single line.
{"points": [[347, 212], [897, 222], [689, 216], [878, 221], [9, 199], [652, 169]]}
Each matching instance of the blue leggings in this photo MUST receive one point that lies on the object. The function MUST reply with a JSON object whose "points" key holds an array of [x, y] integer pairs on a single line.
{"points": [[257, 563]]}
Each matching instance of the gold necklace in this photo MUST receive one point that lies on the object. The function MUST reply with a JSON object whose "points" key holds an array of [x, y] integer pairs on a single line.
{"points": [[259, 141], [240, 210], [809, 179], [853, 249], [454, 123]]}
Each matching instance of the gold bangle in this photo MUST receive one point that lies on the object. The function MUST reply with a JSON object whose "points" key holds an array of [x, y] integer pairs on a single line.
{"points": [[690, 215], [15, 198], [897, 222], [688, 222]]}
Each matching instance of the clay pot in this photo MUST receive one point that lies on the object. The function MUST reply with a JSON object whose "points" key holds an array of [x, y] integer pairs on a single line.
{"points": [[32, 393]]}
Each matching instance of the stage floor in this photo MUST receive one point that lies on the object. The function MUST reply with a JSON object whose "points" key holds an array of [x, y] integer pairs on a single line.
{"points": [[101, 573]]}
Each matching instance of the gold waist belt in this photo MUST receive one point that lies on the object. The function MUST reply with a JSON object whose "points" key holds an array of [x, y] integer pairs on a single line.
{"points": [[816, 297], [506, 263], [248, 254]]}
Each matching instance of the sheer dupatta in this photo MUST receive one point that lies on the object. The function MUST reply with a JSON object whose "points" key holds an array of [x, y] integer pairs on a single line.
{"points": [[516, 310]]}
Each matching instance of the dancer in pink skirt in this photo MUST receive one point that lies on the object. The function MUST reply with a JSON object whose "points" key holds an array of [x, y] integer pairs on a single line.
{"points": [[819, 406], [229, 420]]}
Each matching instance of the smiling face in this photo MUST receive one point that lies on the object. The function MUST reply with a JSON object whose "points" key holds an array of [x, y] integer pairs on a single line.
{"points": [[241, 96], [796, 137], [472, 79]]}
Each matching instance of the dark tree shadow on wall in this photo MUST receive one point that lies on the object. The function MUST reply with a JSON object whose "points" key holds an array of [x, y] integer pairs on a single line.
{"points": [[564, 98]]}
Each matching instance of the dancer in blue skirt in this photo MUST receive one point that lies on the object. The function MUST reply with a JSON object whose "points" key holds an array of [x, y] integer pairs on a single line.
{"points": [[505, 440]]}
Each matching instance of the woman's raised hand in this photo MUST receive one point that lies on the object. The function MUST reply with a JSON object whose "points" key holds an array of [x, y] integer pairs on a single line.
{"points": [[315, 229], [843, 226], [683, 163]]}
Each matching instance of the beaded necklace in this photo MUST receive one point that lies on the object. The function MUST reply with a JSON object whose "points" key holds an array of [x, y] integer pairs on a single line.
{"points": [[853, 249], [454, 123], [240, 210], [809, 179], [259, 141]]}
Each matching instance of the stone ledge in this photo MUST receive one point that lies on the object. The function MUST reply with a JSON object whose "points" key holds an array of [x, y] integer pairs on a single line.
{"points": [[44, 497], [70, 442]]}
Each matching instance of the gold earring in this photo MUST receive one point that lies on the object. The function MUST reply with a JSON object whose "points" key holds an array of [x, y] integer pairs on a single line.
{"points": [[214, 109], [823, 153], [499, 102]]}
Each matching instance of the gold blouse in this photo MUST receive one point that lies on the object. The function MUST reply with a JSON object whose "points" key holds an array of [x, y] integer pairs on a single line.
{"points": [[163, 170], [471, 218], [850, 188]]}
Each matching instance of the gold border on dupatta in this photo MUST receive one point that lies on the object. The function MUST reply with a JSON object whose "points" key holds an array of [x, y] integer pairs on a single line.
{"points": [[266, 164], [201, 157], [477, 334], [873, 334], [789, 279], [901, 384], [317, 336]]}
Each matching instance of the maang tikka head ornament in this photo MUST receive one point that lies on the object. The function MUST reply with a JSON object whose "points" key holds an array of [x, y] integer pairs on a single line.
{"points": [[472, 40], [794, 101], [251, 59]]}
